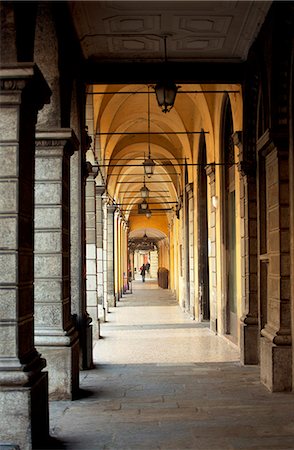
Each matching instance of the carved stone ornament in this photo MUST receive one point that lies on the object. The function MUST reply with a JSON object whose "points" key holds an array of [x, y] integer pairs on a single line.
{"points": [[246, 168], [210, 170], [12, 85]]}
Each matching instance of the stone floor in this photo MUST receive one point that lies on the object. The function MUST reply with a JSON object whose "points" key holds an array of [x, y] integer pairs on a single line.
{"points": [[162, 381]]}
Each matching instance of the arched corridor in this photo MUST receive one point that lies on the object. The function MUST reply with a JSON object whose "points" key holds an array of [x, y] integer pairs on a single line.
{"points": [[146, 221], [162, 381]]}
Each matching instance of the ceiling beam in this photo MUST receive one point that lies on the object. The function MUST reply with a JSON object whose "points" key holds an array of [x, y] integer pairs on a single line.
{"points": [[98, 72]]}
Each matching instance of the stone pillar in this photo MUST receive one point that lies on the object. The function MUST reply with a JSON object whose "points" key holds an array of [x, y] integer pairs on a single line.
{"points": [[78, 174], [55, 335], [111, 301], [116, 255], [191, 249], [104, 254], [125, 256], [91, 250], [186, 259], [23, 385], [249, 326], [210, 172], [249, 332], [275, 344], [153, 263], [99, 243]]}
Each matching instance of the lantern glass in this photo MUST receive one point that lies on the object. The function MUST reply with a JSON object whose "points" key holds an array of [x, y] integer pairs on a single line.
{"points": [[144, 192], [148, 213], [149, 167], [166, 94], [144, 205]]}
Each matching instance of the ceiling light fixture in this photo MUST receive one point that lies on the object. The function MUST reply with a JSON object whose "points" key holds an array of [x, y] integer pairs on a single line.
{"points": [[144, 205], [144, 190], [148, 163], [148, 213], [166, 90]]}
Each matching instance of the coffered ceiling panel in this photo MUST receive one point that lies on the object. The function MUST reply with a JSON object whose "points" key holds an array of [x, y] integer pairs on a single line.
{"points": [[116, 31]]}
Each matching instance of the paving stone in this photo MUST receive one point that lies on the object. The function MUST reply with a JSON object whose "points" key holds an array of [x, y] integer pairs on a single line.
{"points": [[190, 393]]}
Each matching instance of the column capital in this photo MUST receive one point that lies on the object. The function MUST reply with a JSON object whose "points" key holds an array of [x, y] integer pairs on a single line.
{"points": [[92, 170], [111, 209], [100, 190], [51, 139], [16, 76], [210, 170], [246, 168]]}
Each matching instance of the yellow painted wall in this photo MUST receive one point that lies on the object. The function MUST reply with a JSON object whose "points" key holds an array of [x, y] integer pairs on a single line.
{"points": [[155, 221]]}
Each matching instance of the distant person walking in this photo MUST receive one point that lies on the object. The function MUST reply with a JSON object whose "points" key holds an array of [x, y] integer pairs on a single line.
{"points": [[143, 272], [148, 267]]}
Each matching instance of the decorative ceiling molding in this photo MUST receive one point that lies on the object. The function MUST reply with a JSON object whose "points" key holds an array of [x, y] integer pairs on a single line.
{"points": [[207, 31]]}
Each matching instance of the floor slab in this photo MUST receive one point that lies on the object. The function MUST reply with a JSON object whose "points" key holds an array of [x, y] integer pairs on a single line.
{"points": [[162, 381]]}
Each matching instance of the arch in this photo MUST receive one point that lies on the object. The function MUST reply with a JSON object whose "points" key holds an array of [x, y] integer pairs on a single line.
{"points": [[228, 213], [202, 226]]}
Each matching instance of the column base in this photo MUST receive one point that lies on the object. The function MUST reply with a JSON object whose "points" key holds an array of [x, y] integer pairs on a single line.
{"points": [[24, 414], [87, 362], [62, 356], [111, 301], [249, 340], [213, 325], [275, 365], [101, 313], [96, 329]]}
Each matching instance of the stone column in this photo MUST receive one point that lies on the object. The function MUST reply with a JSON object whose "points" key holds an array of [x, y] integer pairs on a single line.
{"points": [[249, 332], [186, 259], [210, 172], [99, 242], [91, 250], [23, 385], [191, 249], [111, 301], [55, 335], [104, 254], [125, 256], [118, 253], [249, 327], [78, 176], [276, 340], [153, 263]]}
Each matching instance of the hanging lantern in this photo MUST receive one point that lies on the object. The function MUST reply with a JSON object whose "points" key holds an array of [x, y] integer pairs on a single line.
{"points": [[148, 213], [165, 95], [144, 191], [148, 167], [144, 205]]}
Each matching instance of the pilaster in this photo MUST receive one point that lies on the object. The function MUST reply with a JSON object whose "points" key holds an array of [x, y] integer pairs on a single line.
{"points": [[55, 334], [23, 385]]}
